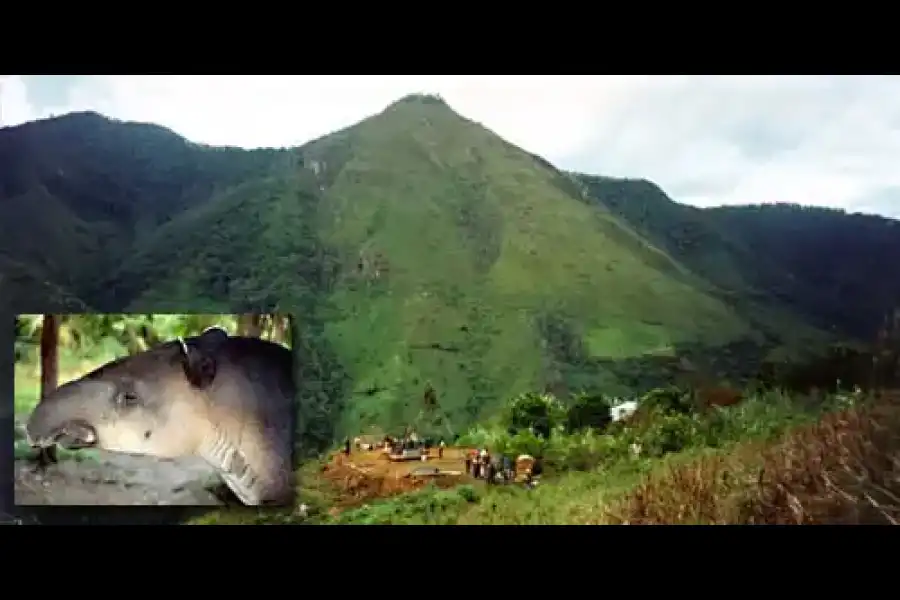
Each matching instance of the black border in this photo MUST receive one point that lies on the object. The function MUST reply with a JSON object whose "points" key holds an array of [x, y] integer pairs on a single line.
{"points": [[8, 509], [521, 561], [615, 38]]}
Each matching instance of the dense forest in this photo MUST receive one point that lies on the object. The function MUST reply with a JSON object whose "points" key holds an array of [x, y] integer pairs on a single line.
{"points": [[417, 250]]}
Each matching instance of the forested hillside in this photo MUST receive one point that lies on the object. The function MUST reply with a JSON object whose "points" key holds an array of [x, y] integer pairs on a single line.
{"points": [[829, 268], [418, 248]]}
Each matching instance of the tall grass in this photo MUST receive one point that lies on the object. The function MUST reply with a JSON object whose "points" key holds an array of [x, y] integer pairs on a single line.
{"points": [[842, 469]]}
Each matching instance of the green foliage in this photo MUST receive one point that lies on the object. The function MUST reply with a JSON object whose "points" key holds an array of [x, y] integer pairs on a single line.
{"points": [[665, 427], [588, 411], [666, 400], [539, 414], [777, 263], [90, 334], [430, 506], [669, 432]]}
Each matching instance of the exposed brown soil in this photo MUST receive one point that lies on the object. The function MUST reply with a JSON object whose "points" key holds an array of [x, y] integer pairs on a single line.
{"points": [[364, 476]]}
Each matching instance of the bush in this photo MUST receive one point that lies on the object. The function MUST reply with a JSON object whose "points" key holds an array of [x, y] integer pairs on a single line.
{"points": [[428, 506], [668, 400], [588, 411], [665, 428], [670, 433], [524, 442], [586, 451], [539, 413]]}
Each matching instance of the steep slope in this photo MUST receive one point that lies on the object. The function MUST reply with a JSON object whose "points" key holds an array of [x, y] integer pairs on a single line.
{"points": [[21, 287], [420, 247], [841, 268], [682, 231], [825, 267], [463, 264], [76, 192]]}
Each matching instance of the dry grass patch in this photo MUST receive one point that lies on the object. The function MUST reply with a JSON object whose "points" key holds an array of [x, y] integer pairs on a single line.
{"points": [[844, 469]]}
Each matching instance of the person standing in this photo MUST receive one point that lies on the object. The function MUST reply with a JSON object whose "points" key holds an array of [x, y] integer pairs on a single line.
{"points": [[441, 449]]}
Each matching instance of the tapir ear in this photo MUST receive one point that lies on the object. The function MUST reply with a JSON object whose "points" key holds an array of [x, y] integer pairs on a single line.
{"points": [[212, 337], [198, 364]]}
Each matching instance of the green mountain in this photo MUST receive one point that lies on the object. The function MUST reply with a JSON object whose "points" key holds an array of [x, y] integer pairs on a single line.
{"points": [[415, 247], [831, 269]]}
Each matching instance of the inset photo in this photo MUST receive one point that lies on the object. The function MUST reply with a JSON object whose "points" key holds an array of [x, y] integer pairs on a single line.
{"points": [[154, 409]]}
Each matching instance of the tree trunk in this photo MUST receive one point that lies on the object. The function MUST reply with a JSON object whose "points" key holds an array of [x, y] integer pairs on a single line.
{"points": [[266, 326], [281, 326], [49, 374], [49, 354]]}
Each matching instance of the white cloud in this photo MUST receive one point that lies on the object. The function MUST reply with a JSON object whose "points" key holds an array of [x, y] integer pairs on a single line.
{"points": [[14, 105], [830, 141]]}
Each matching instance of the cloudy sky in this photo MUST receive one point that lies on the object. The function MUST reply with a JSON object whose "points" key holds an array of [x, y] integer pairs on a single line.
{"points": [[825, 140]]}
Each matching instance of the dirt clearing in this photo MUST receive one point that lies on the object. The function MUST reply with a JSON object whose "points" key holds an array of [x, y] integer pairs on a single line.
{"points": [[364, 476]]}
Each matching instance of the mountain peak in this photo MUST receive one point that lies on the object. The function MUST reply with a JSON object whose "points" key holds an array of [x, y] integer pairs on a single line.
{"points": [[421, 98], [418, 105]]}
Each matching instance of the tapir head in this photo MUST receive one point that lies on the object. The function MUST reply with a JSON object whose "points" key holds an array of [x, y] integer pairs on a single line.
{"points": [[148, 403]]}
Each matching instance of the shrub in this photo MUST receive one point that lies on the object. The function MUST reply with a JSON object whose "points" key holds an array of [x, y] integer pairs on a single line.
{"points": [[667, 433], [588, 411], [586, 451], [668, 400], [524, 442], [428, 506], [540, 413]]}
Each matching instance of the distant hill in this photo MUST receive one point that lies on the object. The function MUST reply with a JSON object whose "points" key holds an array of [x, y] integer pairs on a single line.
{"points": [[418, 247], [829, 268]]}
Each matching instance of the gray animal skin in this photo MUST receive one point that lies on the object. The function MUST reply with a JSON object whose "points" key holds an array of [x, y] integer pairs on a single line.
{"points": [[229, 400]]}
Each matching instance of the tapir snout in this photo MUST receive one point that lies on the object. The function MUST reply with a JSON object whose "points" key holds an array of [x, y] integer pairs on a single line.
{"points": [[66, 416]]}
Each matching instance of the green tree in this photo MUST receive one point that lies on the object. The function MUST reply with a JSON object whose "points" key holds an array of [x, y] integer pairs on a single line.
{"points": [[669, 400], [588, 411], [539, 413]]}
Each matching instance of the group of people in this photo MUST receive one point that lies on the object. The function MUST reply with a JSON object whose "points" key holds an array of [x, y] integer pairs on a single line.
{"points": [[393, 445], [413, 441], [388, 443], [480, 464]]}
